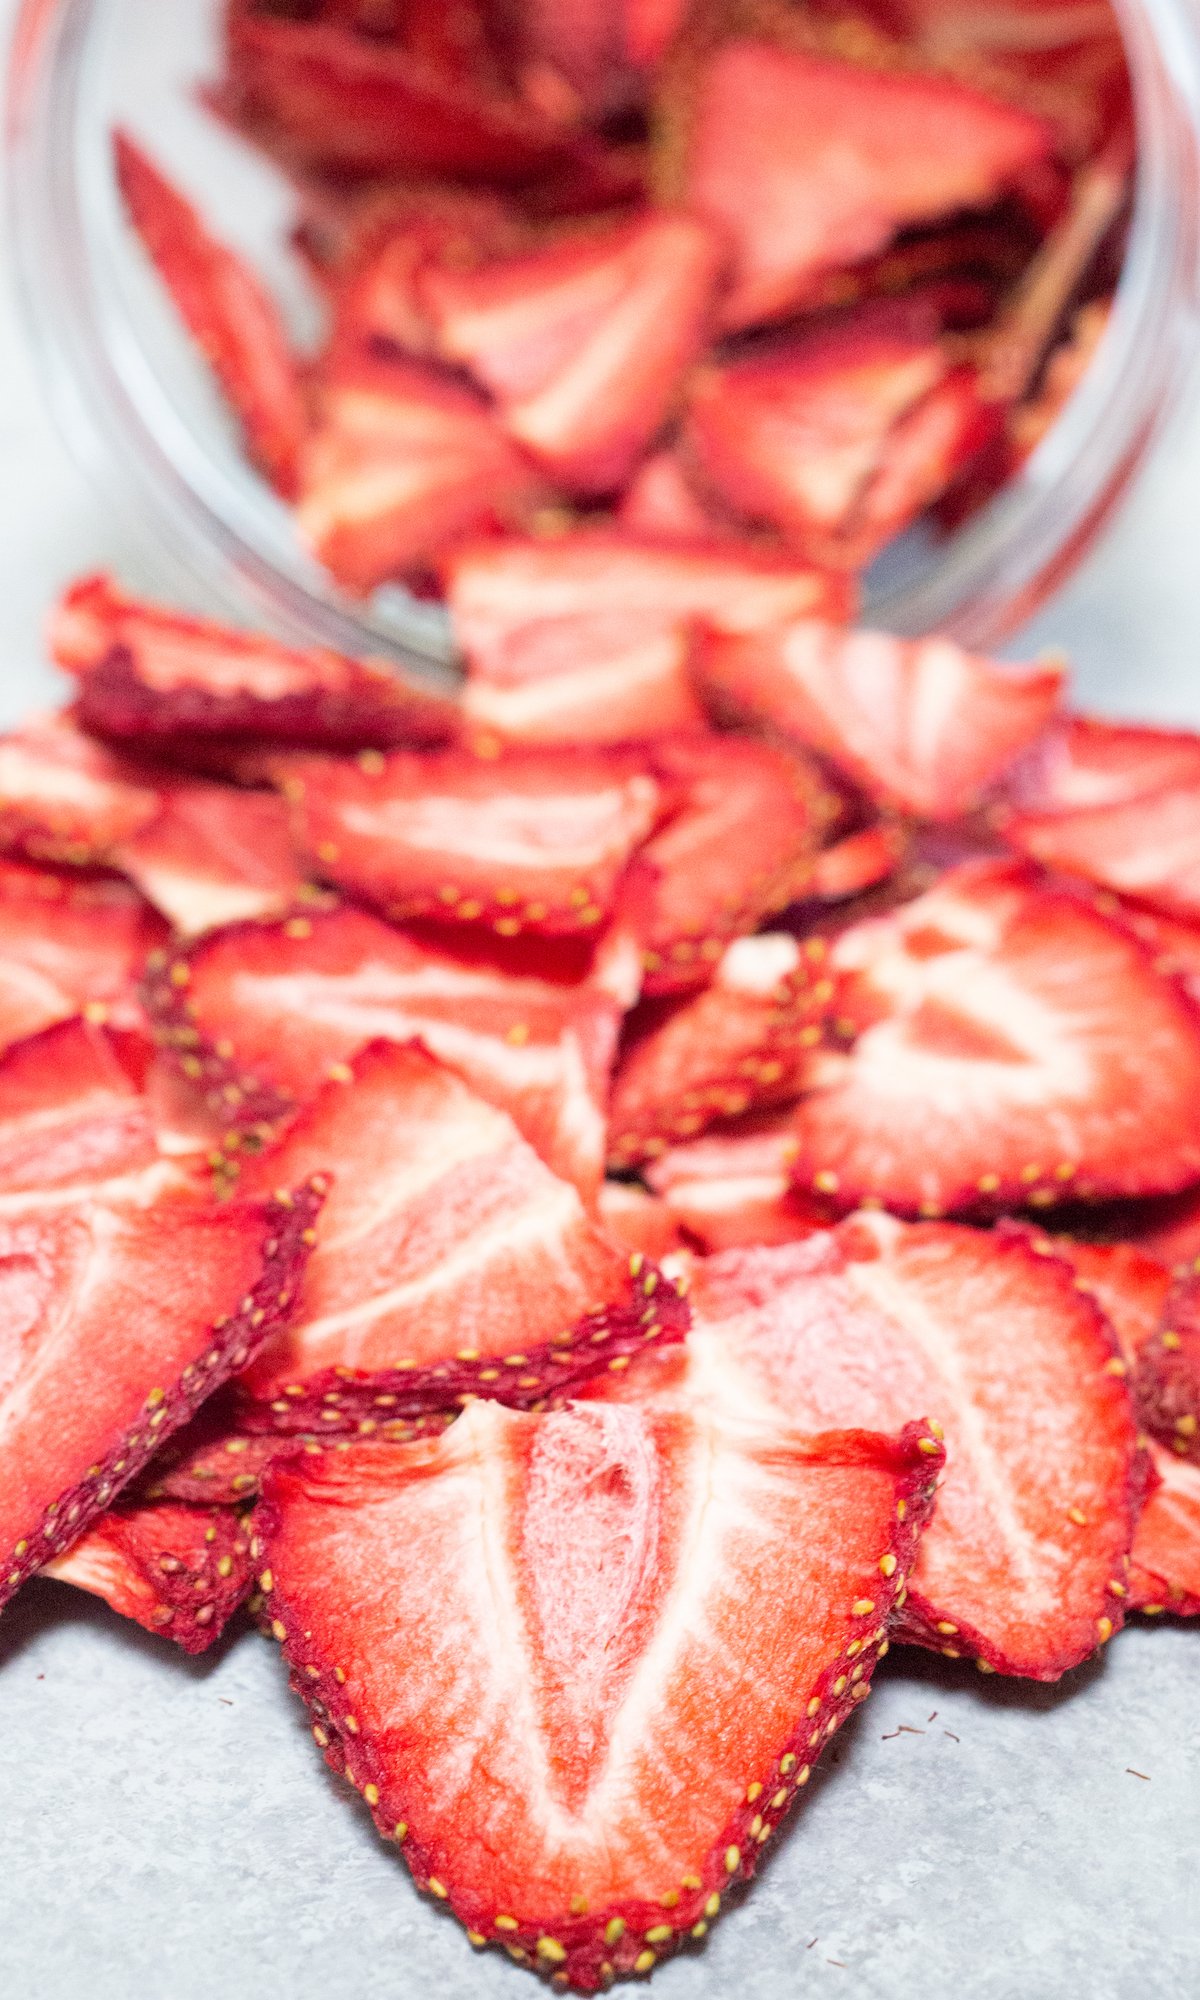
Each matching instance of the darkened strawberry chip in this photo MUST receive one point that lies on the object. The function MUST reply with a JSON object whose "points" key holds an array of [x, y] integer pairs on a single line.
{"points": [[740, 845], [1025, 1566], [745, 1041], [64, 798], [126, 1305], [156, 678], [231, 317], [258, 1016], [179, 1571], [733, 1189], [216, 855], [812, 164], [1017, 1049], [401, 460], [537, 841], [324, 96], [70, 945], [919, 724], [583, 343], [1118, 805], [451, 1262], [1166, 1377], [587, 1795]]}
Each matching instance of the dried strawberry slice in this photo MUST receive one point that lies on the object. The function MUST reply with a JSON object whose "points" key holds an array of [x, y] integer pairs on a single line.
{"points": [[179, 1571], [663, 505], [586, 637], [451, 1261], [536, 842], [399, 461], [740, 846], [158, 678], [215, 855], [586, 1797], [327, 97], [920, 724], [127, 1304], [635, 1219], [1022, 1039], [732, 1189], [231, 317], [858, 861], [1024, 1567], [745, 1041], [64, 798], [73, 1109], [811, 163], [839, 439], [584, 342], [1166, 1380], [374, 261], [69, 945], [1119, 805], [1133, 1290], [258, 1015]]}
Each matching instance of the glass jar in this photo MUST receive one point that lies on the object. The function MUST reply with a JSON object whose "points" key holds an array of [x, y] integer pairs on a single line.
{"points": [[136, 406]]}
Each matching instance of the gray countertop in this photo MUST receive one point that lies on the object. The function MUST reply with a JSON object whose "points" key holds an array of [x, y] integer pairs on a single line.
{"points": [[167, 1829]]}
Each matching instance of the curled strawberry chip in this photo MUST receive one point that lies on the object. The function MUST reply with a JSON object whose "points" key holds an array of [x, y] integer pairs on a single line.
{"points": [[587, 1795], [155, 678], [180, 1571], [232, 319], [537, 841], [451, 1262], [919, 724]]}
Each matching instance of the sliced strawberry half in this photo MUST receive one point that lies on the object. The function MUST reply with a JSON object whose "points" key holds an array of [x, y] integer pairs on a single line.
{"points": [[157, 678], [587, 636], [399, 461], [325, 96], [739, 846], [258, 1015], [69, 945], [732, 1188], [919, 724], [535, 842], [215, 855], [586, 1796], [1016, 1048], [840, 439], [1024, 1566], [451, 1262], [126, 1303], [583, 343], [231, 317], [1118, 805], [64, 798], [745, 1041], [811, 164], [179, 1571]]}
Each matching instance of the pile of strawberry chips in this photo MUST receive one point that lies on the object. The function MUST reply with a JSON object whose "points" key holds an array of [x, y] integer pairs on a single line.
{"points": [[593, 1208]]}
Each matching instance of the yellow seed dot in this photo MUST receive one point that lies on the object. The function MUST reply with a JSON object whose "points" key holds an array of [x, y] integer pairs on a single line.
{"points": [[278, 1629], [1186, 1426], [1104, 1627], [901, 1510], [753, 1792], [862, 1605], [733, 1857], [825, 1182], [550, 1948], [661, 1934], [699, 1930], [945, 1627], [988, 1183], [712, 1905], [400, 1832], [476, 1938], [927, 1445], [803, 1774], [839, 1686], [644, 1961], [266, 1581], [888, 1565], [1172, 1342], [371, 1794], [787, 1763], [1077, 1515], [1115, 1367], [437, 1888], [506, 1923]]}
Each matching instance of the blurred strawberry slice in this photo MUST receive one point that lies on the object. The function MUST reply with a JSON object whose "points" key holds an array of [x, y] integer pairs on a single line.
{"points": [[919, 724], [811, 164], [400, 460], [840, 439], [165, 681], [215, 855], [740, 845], [583, 343], [226, 309], [65, 798], [587, 636], [661, 504], [69, 946], [537, 841], [733, 1188]]}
